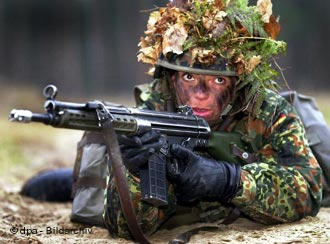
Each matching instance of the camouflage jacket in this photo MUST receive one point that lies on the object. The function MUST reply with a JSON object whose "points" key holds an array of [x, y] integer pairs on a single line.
{"points": [[284, 183]]}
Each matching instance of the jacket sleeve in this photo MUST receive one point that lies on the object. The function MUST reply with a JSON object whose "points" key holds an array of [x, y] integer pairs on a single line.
{"points": [[149, 96], [284, 185]]}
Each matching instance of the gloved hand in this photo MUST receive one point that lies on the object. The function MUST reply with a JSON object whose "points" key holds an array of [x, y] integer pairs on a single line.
{"points": [[199, 178], [136, 150]]}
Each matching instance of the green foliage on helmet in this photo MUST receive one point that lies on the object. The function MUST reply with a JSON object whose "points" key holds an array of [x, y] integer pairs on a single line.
{"points": [[209, 30]]}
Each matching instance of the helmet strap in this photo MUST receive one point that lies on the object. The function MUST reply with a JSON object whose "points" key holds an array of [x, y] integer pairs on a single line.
{"points": [[226, 110]]}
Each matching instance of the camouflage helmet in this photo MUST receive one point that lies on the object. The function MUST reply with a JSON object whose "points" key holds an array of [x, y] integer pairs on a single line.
{"points": [[184, 63], [216, 37]]}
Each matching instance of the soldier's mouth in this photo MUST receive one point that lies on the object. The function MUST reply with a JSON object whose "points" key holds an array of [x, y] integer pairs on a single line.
{"points": [[202, 112]]}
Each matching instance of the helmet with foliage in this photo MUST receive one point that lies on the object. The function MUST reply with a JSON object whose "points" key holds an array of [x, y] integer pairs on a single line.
{"points": [[217, 37]]}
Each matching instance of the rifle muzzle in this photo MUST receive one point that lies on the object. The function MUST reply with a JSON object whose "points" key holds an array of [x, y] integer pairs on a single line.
{"points": [[22, 116], [26, 116]]}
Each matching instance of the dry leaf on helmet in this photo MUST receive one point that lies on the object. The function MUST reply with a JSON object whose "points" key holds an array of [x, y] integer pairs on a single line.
{"points": [[219, 30], [239, 63], [265, 7], [207, 20], [252, 63], [219, 4], [211, 19], [239, 68], [220, 15], [174, 38], [151, 71], [142, 43], [241, 30], [169, 16], [202, 55], [153, 19], [239, 58], [149, 54], [214, 22], [273, 27]]}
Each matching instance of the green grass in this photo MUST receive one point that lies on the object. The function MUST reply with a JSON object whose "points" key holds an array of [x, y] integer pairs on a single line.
{"points": [[15, 140], [323, 102], [10, 153]]}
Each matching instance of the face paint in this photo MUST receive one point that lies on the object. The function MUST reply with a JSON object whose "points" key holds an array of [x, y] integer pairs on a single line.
{"points": [[207, 95]]}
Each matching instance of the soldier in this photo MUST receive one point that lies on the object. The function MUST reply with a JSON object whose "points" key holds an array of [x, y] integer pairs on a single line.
{"points": [[214, 56]]}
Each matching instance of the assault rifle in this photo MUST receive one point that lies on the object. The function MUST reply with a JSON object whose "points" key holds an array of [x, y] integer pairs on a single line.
{"points": [[183, 128]]}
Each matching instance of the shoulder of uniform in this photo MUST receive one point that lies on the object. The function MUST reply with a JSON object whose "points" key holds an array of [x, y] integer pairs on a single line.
{"points": [[273, 105], [146, 95], [139, 90]]}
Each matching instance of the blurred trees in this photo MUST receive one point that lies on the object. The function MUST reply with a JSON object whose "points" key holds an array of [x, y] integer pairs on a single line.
{"points": [[305, 26], [89, 47]]}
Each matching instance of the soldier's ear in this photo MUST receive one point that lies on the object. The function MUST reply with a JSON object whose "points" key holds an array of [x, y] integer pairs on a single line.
{"points": [[233, 80], [174, 76]]}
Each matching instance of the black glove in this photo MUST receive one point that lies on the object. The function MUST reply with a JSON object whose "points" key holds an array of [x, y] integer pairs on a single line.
{"points": [[200, 178], [136, 150]]}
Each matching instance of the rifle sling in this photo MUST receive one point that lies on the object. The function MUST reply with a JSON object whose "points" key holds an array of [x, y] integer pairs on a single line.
{"points": [[118, 169]]}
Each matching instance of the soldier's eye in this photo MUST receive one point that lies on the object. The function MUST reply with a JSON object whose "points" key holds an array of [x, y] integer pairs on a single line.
{"points": [[188, 77], [219, 80]]}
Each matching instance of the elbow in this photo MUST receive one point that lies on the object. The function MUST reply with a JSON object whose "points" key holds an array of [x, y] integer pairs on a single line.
{"points": [[307, 203]]}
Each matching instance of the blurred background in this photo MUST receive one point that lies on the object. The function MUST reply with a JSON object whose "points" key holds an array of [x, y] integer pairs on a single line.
{"points": [[88, 48]]}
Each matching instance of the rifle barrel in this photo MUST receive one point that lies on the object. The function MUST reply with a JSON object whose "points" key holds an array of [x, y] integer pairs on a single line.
{"points": [[26, 116]]}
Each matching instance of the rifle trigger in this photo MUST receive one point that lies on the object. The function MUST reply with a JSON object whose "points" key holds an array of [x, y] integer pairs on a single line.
{"points": [[185, 143]]}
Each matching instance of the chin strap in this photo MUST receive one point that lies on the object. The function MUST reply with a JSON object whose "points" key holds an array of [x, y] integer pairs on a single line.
{"points": [[226, 110]]}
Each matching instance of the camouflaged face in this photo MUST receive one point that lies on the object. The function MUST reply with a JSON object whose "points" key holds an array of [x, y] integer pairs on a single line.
{"points": [[283, 185]]}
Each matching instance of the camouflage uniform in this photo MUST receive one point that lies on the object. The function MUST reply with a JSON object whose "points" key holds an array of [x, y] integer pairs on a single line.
{"points": [[283, 185]]}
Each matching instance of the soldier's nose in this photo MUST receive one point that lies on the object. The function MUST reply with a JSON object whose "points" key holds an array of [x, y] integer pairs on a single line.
{"points": [[201, 90]]}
